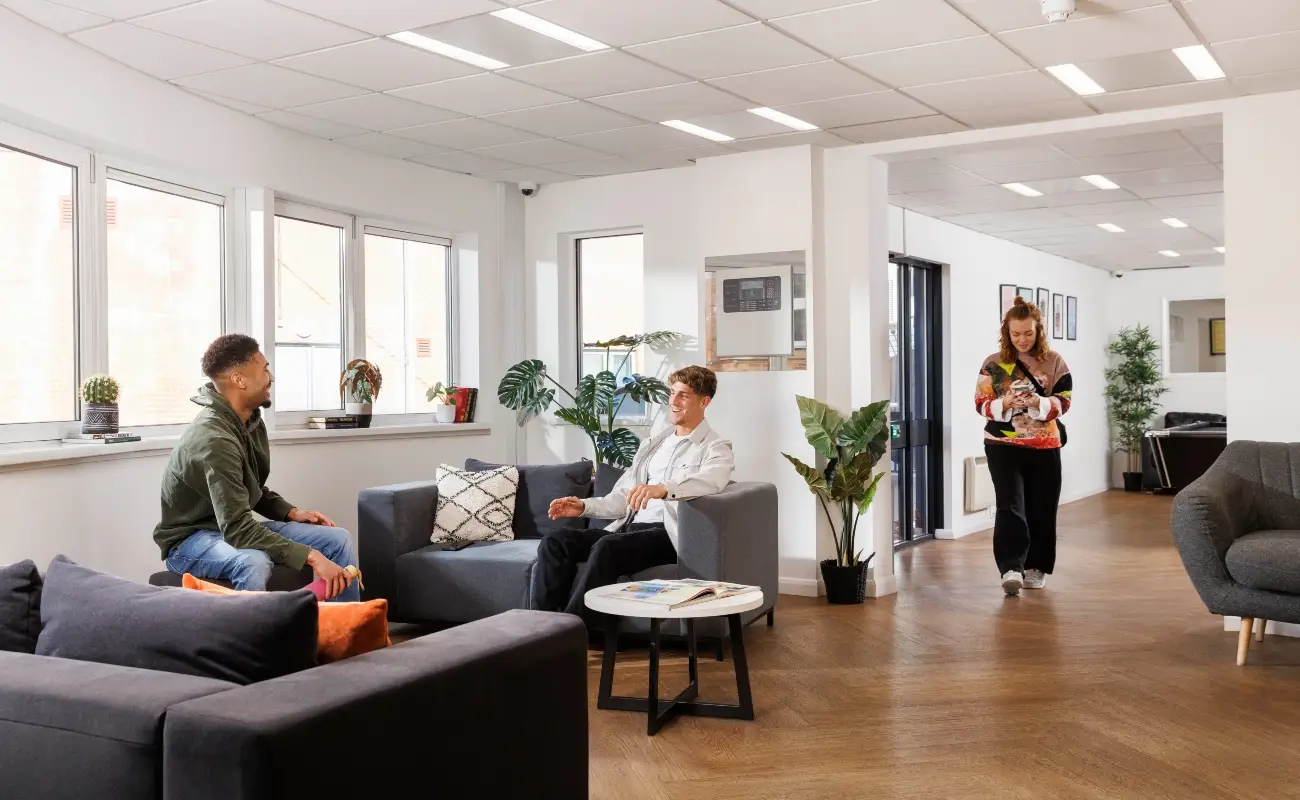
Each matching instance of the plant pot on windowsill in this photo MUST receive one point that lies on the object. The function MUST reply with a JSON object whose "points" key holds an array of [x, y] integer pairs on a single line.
{"points": [[99, 412], [361, 411], [845, 585], [1132, 481], [444, 413]]}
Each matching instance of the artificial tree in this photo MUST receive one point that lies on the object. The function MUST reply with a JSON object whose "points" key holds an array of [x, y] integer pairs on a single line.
{"points": [[1133, 384], [595, 403]]}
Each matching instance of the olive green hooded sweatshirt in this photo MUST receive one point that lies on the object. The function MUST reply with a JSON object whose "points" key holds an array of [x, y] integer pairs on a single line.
{"points": [[216, 479]]}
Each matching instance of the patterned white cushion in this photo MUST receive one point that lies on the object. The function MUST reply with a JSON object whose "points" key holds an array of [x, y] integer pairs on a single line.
{"points": [[475, 506]]}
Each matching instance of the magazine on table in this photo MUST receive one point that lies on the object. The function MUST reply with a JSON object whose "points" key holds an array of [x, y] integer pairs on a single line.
{"points": [[672, 594]]}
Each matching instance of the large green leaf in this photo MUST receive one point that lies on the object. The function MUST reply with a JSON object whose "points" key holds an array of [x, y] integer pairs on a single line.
{"points": [[653, 338], [867, 431], [821, 425], [850, 480], [581, 417], [813, 477], [596, 391], [865, 502], [523, 390], [641, 389], [618, 447]]}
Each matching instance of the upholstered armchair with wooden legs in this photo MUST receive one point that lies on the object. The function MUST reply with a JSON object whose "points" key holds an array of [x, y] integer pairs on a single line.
{"points": [[1237, 529]]}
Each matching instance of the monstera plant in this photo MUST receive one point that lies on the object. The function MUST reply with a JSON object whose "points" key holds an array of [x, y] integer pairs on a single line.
{"points": [[528, 389], [852, 447]]}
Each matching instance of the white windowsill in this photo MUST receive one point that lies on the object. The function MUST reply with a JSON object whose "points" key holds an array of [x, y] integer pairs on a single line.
{"points": [[34, 455]]}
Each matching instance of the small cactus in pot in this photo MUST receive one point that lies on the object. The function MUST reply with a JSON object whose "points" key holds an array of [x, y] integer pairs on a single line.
{"points": [[99, 413]]}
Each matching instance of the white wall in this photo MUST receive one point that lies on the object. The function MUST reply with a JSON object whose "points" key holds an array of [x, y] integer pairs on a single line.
{"points": [[976, 264], [1140, 298], [103, 512], [1261, 209]]}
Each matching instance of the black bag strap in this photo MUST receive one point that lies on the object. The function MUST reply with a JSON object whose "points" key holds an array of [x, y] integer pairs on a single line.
{"points": [[1038, 387]]}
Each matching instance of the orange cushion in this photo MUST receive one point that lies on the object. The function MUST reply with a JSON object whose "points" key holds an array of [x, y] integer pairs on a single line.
{"points": [[346, 629]]}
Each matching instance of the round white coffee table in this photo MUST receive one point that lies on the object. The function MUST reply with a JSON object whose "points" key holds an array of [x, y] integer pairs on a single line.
{"points": [[684, 703]]}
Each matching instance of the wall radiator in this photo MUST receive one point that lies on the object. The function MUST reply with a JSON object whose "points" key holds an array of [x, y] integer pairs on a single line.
{"points": [[979, 484]]}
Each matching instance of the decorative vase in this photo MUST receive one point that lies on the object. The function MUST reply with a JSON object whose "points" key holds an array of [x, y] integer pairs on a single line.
{"points": [[1132, 481], [844, 585], [99, 418], [361, 411], [444, 413]]}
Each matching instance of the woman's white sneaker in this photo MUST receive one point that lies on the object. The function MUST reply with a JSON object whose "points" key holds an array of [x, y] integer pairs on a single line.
{"points": [[1035, 579], [1012, 581]]}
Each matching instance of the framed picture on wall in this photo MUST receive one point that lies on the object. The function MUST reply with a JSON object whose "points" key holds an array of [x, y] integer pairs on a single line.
{"points": [[1218, 337], [1071, 318], [1044, 299], [1006, 299], [1026, 292], [1058, 316]]}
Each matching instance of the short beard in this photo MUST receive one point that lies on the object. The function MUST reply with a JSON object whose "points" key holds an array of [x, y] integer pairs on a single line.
{"points": [[266, 403]]}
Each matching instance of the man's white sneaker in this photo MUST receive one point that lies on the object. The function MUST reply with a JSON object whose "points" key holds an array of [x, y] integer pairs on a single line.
{"points": [[1012, 581], [1035, 579]]}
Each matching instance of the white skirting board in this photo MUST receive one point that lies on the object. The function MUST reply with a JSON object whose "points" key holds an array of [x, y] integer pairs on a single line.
{"points": [[803, 587], [1274, 628]]}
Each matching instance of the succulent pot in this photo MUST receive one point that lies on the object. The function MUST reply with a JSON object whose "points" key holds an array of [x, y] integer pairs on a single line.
{"points": [[445, 413], [844, 585], [361, 411], [1132, 481], [99, 418]]}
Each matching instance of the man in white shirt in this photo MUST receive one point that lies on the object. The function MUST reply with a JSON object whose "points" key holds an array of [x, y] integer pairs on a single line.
{"points": [[686, 461]]}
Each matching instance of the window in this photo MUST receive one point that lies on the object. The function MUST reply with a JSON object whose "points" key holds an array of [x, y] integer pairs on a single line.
{"points": [[611, 302], [406, 316], [164, 260], [38, 287], [310, 259]]}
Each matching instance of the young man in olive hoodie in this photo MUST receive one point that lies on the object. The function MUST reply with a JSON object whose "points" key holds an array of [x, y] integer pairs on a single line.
{"points": [[216, 479]]}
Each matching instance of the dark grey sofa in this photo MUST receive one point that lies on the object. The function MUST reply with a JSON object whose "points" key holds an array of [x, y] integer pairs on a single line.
{"points": [[368, 726], [1237, 530], [729, 536]]}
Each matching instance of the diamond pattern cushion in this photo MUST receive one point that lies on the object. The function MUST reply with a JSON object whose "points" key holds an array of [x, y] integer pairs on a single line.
{"points": [[475, 506]]}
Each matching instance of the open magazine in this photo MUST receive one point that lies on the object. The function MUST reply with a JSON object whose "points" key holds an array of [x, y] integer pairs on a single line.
{"points": [[673, 594]]}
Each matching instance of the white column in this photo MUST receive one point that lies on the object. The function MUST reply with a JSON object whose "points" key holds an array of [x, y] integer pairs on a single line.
{"points": [[1261, 211], [853, 365]]}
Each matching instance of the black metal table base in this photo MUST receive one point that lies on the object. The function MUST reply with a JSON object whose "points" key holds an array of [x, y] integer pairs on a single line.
{"points": [[659, 711]]}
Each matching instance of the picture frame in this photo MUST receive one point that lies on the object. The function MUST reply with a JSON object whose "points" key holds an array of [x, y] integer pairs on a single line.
{"points": [[1044, 300], [1218, 337], [1071, 318], [1058, 316], [1026, 292], [1006, 299]]}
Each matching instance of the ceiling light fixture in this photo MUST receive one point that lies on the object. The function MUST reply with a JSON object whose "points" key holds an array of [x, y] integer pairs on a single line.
{"points": [[783, 119], [1169, 253], [539, 25], [1221, 249], [1110, 226], [1101, 182], [1020, 188], [687, 127], [1199, 62], [448, 50], [1076, 79], [1174, 222]]}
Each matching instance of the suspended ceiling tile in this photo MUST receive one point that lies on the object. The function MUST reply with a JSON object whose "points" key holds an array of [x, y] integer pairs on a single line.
{"points": [[58, 18], [270, 86], [1093, 145], [521, 174], [469, 163], [464, 134], [861, 109], [155, 53], [565, 119], [730, 51], [1014, 89], [878, 26], [959, 59], [378, 65], [480, 94], [624, 22], [1141, 71], [900, 129], [1004, 15], [123, 9], [635, 141], [496, 38], [790, 139], [254, 28], [998, 116], [322, 128], [385, 145], [595, 74], [540, 153], [1259, 56], [382, 17], [1271, 82], [770, 9], [1092, 38], [598, 167], [377, 112], [1223, 20], [672, 102], [1193, 92], [740, 125], [821, 80]]}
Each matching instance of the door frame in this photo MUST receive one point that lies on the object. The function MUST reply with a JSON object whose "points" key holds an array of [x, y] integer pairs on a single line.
{"points": [[938, 401]]}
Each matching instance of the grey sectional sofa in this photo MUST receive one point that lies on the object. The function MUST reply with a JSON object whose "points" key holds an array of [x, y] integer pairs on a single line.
{"points": [[730, 536], [438, 711]]}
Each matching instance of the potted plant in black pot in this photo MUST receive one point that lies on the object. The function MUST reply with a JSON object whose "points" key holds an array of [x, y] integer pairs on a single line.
{"points": [[99, 412], [359, 388], [846, 486], [1133, 384]]}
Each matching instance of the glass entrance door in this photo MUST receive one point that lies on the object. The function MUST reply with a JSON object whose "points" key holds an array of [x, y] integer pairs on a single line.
{"points": [[916, 422]]}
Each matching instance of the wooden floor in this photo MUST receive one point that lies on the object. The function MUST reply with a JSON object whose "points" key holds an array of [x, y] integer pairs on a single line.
{"points": [[1112, 683]]}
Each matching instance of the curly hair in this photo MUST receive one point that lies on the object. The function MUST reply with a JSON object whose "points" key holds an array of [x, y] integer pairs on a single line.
{"points": [[701, 380], [1020, 311], [227, 352]]}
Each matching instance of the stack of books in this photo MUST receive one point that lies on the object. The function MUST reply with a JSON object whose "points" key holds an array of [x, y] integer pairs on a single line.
{"points": [[466, 404], [333, 423], [102, 438]]}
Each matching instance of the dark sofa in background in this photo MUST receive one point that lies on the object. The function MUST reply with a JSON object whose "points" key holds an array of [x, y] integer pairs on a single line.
{"points": [[1183, 450], [729, 536]]}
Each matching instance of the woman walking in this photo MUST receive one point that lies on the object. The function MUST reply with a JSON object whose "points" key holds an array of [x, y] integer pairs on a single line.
{"points": [[1023, 389]]}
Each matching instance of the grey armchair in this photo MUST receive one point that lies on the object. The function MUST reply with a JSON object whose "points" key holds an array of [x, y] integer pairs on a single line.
{"points": [[729, 536], [1237, 530]]}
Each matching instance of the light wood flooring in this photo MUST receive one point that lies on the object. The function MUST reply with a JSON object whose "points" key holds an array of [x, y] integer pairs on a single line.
{"points": [[1112, 683]]}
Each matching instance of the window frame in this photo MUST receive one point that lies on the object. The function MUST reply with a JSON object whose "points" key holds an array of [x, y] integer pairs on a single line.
{"points": [[125, 172], [576, 243], [412, 233]]}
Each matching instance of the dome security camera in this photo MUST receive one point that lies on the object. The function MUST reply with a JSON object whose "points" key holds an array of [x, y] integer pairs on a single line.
{"points": [[527, 188], [1057, 10]]}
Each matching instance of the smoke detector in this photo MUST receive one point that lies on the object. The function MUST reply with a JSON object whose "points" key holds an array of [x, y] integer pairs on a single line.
{"points": [[1057, 10]]}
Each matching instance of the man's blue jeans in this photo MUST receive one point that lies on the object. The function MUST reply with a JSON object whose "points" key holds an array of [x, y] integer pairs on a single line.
{"points": [[206, 554]]}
